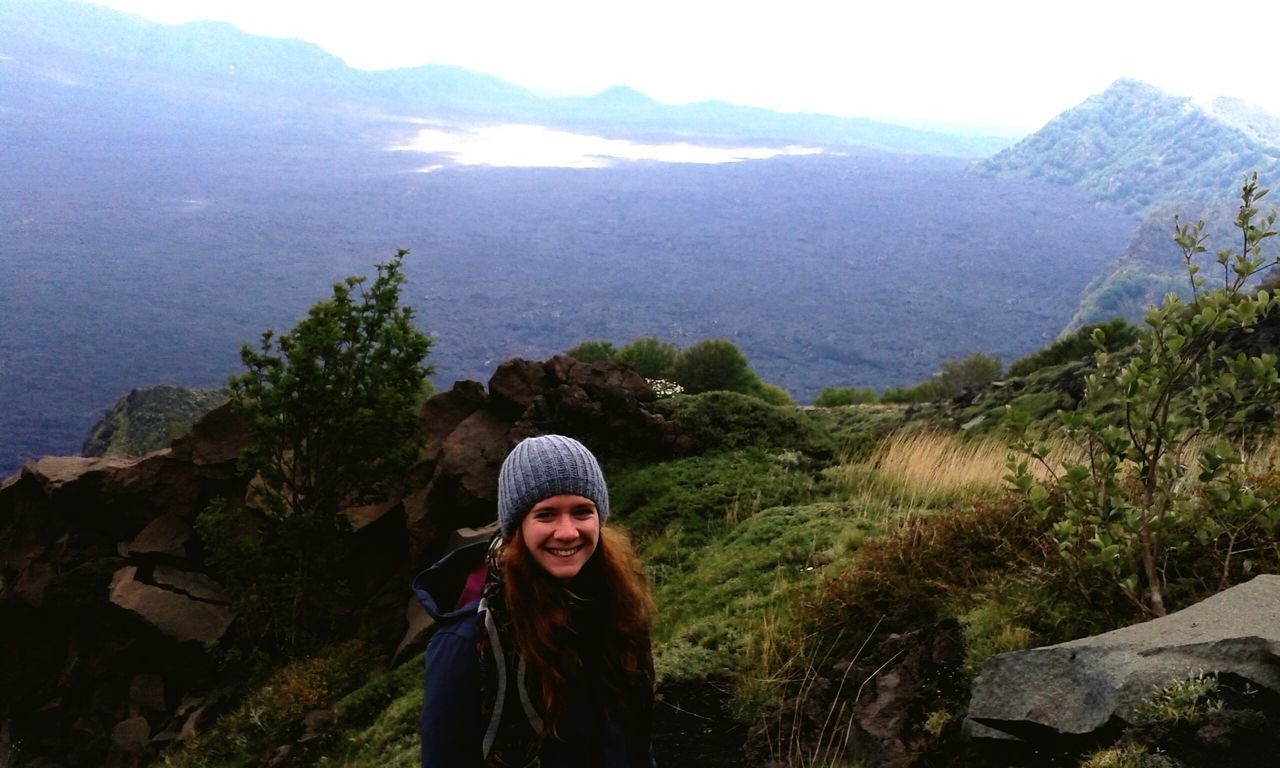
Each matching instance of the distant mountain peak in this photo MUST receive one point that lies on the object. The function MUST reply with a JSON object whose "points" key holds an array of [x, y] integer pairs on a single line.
{"points": [[623, 94], [1140, 147]]}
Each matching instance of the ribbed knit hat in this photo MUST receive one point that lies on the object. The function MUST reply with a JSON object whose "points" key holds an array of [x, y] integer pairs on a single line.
{"points": [[541, 467]]}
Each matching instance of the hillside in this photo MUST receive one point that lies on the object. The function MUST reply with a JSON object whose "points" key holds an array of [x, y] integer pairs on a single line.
{"points": [[1139, 147], [147, 420], [789, 549], [188, 206], [1158, 155]]}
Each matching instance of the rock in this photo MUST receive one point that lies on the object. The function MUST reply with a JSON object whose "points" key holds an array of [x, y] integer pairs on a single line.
{"points": [[147, 692], [1078, 687], [216, 439], [444, 412], [191, 583], [174, 614], [168, 534], [518, 383], [128, 740], [192, 725], [55, 472]]}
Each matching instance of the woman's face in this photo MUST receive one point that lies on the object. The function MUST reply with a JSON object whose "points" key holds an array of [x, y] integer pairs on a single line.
{"points": [[562, 533]]}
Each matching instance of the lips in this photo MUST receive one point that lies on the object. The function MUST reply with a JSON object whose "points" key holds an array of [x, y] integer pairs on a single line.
{"points": [[565, 552]]}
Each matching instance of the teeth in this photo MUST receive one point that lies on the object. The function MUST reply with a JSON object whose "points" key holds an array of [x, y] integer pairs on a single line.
{"points": [[564, 552]]}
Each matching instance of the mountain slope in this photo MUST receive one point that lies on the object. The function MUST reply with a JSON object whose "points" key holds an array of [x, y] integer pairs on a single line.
{"points": [[1157, 155], [1139, 147]]}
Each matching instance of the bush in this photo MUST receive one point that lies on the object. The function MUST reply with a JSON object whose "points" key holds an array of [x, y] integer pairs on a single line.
{"points": [[1164, 476], [923, 392], [773, 394], [1116, 335], [976, 370], [835, 396], [651, 357], [332, 413], [714, 365], [724, 421], [593, 352]]}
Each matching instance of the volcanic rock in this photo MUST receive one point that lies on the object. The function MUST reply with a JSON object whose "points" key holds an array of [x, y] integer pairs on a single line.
{"points": [[1080, 686]]}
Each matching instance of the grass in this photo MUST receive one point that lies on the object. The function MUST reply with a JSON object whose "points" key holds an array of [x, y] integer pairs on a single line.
{"points": [[926, 470]]}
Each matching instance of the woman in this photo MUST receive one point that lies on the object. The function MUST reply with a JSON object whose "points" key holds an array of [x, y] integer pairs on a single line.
{"points": [[541, 656]]}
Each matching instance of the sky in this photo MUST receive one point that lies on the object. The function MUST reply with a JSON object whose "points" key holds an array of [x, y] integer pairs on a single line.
{"points": [[1010, 66]]}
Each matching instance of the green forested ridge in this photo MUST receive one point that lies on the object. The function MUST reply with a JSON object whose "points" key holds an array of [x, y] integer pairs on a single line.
{"points": [[148, 419], [1156, 155], [1139, 147]]}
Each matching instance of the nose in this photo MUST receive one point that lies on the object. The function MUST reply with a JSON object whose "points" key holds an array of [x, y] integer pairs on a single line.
{"points": [[565, 529]]}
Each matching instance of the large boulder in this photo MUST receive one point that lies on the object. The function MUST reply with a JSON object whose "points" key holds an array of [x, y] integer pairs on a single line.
{"points": [[1079, 687]]}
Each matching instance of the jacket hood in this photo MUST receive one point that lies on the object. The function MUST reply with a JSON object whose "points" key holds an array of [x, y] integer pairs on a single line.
{"points": [[441, 587]]}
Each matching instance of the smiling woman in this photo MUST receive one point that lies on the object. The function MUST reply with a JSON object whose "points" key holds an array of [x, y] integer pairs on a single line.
{"points": [[542, 654]]}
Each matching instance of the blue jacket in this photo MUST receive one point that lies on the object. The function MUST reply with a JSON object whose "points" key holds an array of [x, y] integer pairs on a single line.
{"points": [[451, 725]]}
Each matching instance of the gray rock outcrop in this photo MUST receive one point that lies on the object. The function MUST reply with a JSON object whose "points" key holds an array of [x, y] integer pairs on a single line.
{"points": [[1079, 687]]}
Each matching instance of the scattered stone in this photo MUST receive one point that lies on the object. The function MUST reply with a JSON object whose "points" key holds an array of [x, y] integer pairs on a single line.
{"points": [[191, 583], [168, 534], [1080, 686], [173, 614]]}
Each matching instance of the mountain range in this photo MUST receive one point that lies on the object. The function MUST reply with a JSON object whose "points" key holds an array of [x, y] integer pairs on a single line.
{"points": [[169, 192]]}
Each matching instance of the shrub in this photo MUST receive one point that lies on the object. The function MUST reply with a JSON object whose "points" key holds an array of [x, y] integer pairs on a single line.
{"points": [[773, 394], [651, 357], [1116, 335], [976, 370], [593, 352], [332, 413], [714, 365], [1162, 480], [923, 392], [831, 397], [331, 404], [722, 421]]}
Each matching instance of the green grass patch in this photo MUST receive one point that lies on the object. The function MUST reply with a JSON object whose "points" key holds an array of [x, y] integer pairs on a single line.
{"points": [[740, 587]]}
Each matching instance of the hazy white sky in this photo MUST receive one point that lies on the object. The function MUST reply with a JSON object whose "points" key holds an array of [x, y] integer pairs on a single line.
{"points": [[1007, 63]]}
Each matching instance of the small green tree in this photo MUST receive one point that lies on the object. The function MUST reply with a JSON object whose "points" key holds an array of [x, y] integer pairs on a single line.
{"points": [[650, 356], [595, 351], [714, 365], [1159, 475], [333, 419], [331, 404], [976, 370]]}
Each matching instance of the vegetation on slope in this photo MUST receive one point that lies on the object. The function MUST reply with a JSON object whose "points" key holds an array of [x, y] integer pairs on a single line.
{"points": [[148, 419], [793, 539]]}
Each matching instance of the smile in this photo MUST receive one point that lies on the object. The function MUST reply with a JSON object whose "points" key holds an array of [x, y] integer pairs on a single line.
{"points": [[565, 552]]}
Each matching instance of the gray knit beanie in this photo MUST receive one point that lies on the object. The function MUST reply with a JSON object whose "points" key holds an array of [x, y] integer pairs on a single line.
{"points": [[541, 467]]}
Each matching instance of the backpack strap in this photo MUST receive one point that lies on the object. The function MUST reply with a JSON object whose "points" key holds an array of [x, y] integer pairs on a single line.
{"points": [[500, 668]]}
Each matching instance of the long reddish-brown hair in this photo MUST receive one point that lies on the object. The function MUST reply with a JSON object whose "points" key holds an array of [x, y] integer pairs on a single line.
{"points": [[538, 605]]}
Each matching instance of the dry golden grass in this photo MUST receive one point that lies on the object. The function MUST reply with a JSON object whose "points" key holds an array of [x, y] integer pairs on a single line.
{"points": [[914, 471]]}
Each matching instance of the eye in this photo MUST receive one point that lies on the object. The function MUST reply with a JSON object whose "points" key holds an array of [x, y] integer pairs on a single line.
{"points": [[543, 514], [583, 511]]}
